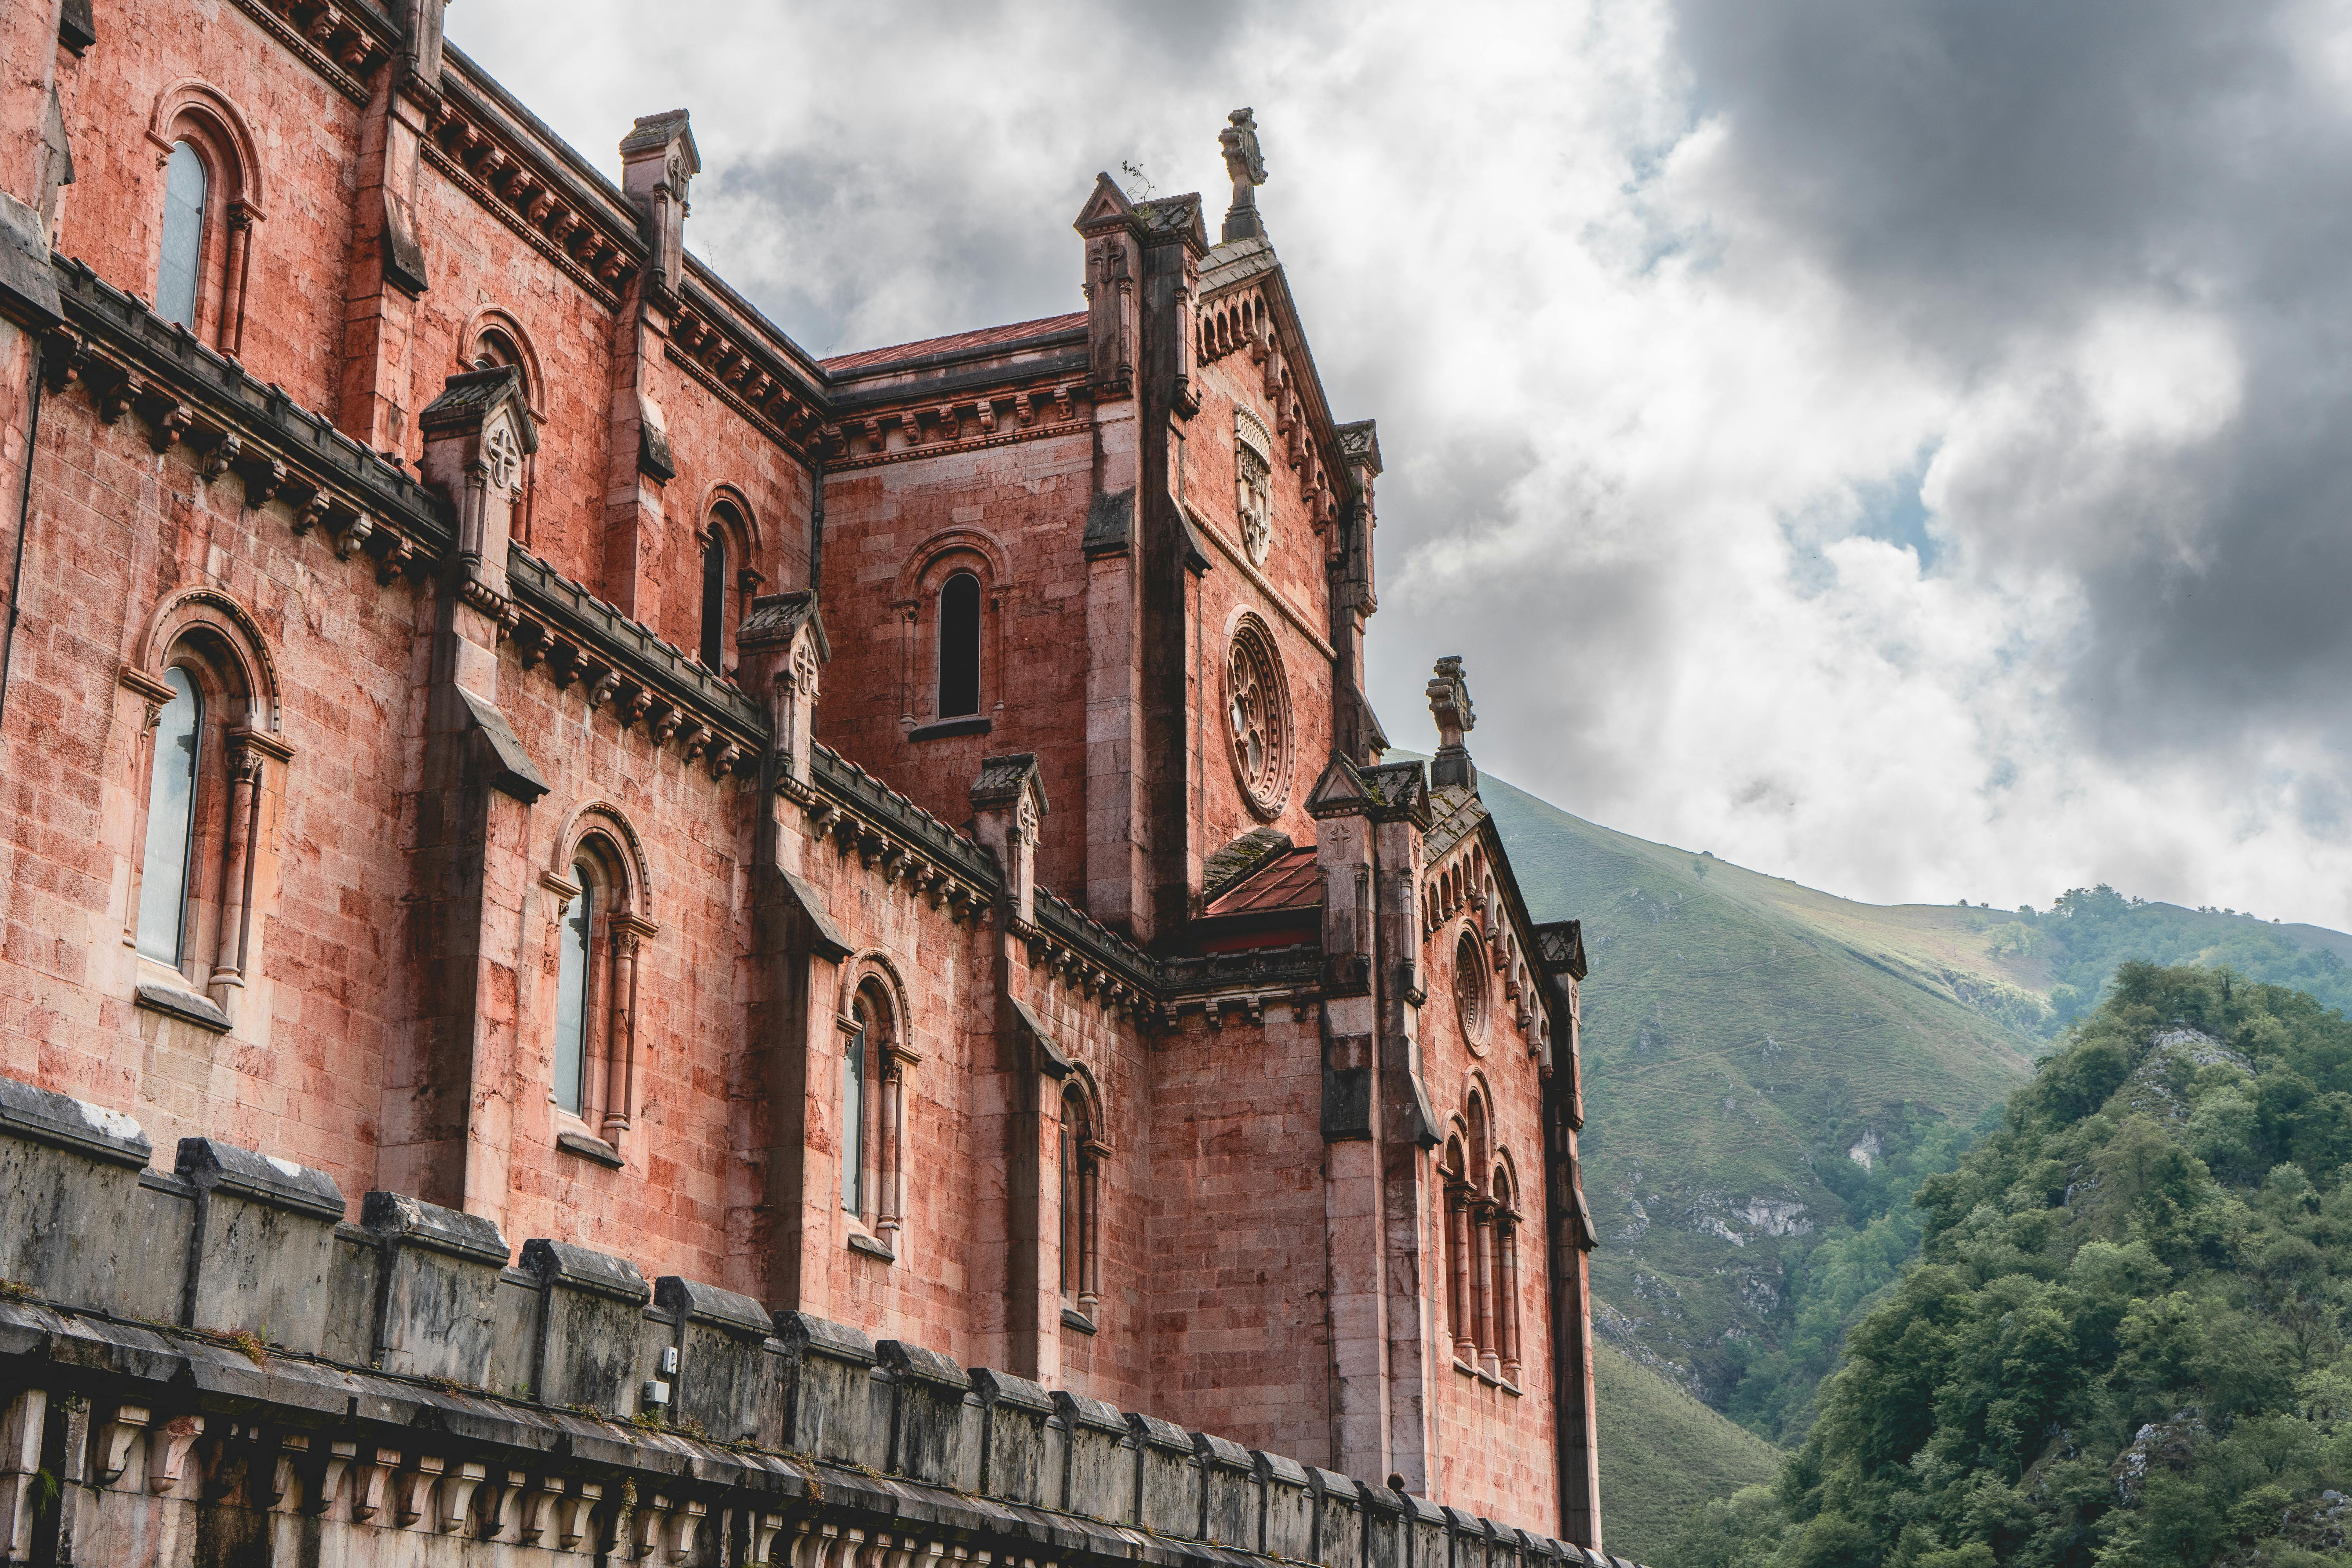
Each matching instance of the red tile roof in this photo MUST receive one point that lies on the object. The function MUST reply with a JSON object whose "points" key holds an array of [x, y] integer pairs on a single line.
{"points": [[1289, 880], [985, 338]]}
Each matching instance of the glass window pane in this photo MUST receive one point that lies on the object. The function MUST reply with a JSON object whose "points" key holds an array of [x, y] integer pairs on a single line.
{"points": [[571, 996], [714, 599], [183, 237], [853, 1118], [171, 821], [960, 646]]}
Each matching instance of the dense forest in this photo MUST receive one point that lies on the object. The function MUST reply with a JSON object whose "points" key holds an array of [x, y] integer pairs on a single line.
{"points": [[2124, 1342]]}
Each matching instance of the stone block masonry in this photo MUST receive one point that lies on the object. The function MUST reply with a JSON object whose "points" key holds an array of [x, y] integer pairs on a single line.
{"points": [[211, 1368]]}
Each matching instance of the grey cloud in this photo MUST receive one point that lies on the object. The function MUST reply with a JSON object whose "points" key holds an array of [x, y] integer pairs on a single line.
{"points": [[1990, 177]]}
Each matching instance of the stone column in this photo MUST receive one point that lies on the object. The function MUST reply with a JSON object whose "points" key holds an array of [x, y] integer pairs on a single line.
{"points": [[236, 867], [658, 161], [1507, 1319], [1482, 1280], [628, 933], [1465, 1336]]}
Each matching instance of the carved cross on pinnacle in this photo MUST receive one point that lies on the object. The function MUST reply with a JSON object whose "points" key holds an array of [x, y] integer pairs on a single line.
{"points": [[1246, 164]]}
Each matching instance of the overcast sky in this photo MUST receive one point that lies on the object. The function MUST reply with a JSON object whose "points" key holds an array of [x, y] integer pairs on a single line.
{"points": [[1903, 447]]}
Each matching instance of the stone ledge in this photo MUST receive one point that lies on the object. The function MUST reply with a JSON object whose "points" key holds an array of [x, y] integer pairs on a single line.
{"points": [[185, 1006], [589, 1148]]}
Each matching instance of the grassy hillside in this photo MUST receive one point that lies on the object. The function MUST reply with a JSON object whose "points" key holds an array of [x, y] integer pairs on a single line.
{"points": [[1662, 1455], [1749, 1045], [1771, 1071]]}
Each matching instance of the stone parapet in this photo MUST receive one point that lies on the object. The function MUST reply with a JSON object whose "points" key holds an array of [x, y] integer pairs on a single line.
{"points": [[214, 1356]]}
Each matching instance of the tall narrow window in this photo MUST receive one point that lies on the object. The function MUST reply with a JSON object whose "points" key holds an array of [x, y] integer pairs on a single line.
{"points": [[1081, 1202], [853, 1111], [960, 646], [571, 997], [184, 187], [171, 821], [714, 597], [1071, 1229]]}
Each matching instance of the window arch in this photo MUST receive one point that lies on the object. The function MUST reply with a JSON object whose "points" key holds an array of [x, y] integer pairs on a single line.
{"points": [[1481, 1244], [203, 849], [1081, 1151], [874, 1079], [598, 934], [959, 655], [210, 201], [953, 658], [729, 578]]}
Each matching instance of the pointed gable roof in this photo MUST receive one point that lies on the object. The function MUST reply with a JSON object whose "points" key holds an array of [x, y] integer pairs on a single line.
{"points": [[1340, 791], [1107, 207]]}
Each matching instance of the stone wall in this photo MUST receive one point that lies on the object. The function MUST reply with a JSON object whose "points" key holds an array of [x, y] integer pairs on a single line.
{"points": [[212, 1367]]}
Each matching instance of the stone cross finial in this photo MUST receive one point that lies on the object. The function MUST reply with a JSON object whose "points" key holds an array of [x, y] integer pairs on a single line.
{"points": [[1246, 164], [1449, 704]]}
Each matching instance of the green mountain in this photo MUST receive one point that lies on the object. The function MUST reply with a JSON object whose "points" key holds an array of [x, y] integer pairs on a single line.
{"points": [[1772, 1072], [1663, 1454], [2125, 1341]]}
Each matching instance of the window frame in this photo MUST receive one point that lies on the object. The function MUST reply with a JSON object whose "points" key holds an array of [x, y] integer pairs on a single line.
{"points": [[228, 859]]}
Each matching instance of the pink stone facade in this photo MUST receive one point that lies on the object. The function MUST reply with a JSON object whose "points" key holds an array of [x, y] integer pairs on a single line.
{"points": [[421, 504]]}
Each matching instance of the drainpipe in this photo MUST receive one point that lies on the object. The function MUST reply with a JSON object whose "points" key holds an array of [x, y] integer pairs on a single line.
{"points": [[24, 519], [816, 520]]}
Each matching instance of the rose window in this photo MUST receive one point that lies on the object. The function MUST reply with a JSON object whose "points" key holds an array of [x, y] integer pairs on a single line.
{"points": [[1258, 716]]}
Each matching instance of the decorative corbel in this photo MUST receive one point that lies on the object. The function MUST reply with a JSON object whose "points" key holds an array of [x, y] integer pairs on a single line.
{"points": [[167, 1451], [310, 510], [372, 1475], [765, 1528], [647, 1526], [63, 357], [114, 1440], [331, 1476], [167, 421], [417, 1491], [265, 477], [574, 1516], [353, 535], [220, 455]]}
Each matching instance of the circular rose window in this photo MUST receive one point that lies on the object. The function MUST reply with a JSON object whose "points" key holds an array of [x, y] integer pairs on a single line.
{"points": [[1470, 985], [1258, 715]]}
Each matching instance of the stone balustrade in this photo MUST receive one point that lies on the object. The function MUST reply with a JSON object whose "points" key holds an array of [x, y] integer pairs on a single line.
{"points": [[214, 1368]]}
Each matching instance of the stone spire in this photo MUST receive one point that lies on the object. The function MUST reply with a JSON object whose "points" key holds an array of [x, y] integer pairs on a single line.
{"points": [[1246, 164], [1449, 704]]}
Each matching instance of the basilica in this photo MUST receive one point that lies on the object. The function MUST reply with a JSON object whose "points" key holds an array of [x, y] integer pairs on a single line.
{"points": [[517, 781]]}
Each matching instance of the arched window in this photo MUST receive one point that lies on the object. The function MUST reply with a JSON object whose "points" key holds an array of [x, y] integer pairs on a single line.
{"points": [[209, 215], [714, 598], [875, 1061], [187, 184], [599, 932], [959, 646], [1080, 1205], [572, 1004], [204, 829]]}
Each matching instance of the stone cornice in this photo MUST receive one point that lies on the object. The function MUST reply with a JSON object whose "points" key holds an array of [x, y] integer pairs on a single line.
{"points": [[345, 44], [498, 153], [1034, 401]]}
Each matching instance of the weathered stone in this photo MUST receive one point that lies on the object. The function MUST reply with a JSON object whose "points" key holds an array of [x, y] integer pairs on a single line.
{"points": [[726, 1384], [436, 1307], [264, 1244]]}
